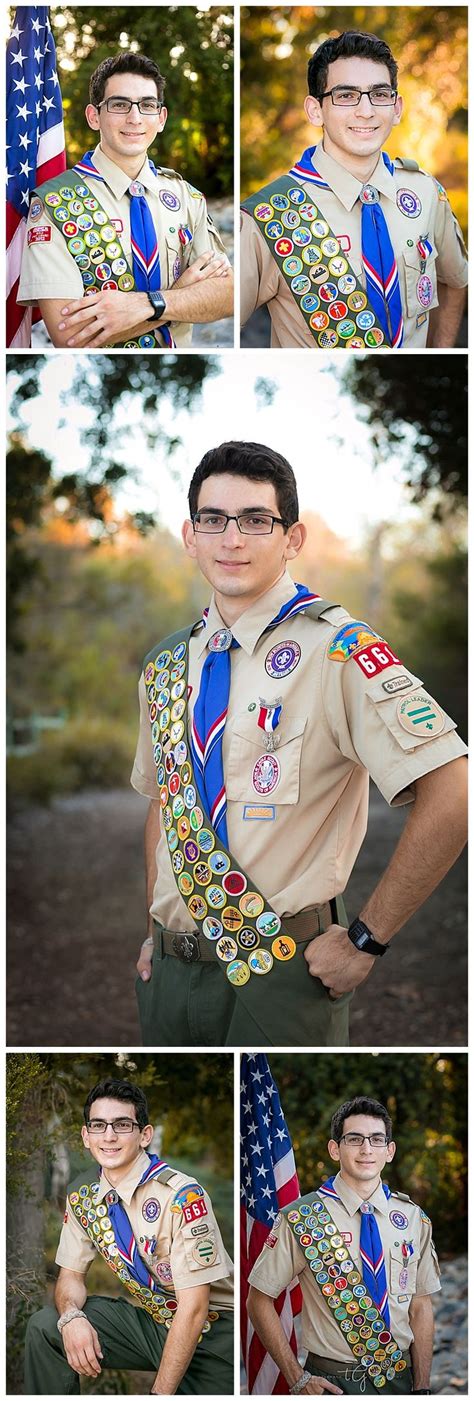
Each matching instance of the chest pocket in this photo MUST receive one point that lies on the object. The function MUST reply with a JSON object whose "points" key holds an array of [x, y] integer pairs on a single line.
{"points": [[403, 1272], [414, 274], [248, 777]]}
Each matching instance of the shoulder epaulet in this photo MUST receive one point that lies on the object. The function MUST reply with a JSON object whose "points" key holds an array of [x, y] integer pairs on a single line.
{"points": [[403, 1197], [406, 163], [175, 175]]}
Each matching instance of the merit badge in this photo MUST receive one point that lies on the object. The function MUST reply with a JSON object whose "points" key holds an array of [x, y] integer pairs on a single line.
{"points": [[274, 229], [409, 203], [399, 1220], [268, 924], [234, 883], [212, 928], [282, 659], [263, 212], [248, 938], [219, 861], [283, 948], [292, 266], [279, 202], [266, 774], [260, 961], [169, 200], [151, 1209], [251, 904], [420, 715], [232, 919], [238, 973], [425, 290], [226, 949], [297, 196]]}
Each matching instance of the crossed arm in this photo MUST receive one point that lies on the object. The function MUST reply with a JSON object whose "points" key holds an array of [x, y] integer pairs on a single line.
{"points": [[203, 293], [82, 1343]]}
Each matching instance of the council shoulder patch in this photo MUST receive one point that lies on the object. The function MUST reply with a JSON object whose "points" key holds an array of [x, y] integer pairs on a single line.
{"points": [[191, 1192], [349, 639]]}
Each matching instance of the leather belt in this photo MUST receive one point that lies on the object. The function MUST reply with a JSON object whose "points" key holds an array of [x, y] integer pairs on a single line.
{"points": [[192, 948], [330, 1366]]}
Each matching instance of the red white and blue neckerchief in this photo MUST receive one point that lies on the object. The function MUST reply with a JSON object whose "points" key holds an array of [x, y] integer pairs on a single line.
{"points": [[378, 258], [371, 1251], [124, 1237], [210, 714], [145, 255]]}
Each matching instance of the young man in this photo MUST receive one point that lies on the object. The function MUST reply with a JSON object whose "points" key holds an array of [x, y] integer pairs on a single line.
{"points": [[115, 224], [351, 249], [367, 1267], [156, 1230], [260, 725]]}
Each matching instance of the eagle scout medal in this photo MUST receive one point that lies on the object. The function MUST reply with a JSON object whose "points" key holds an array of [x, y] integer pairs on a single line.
{"points": [[268, 720]]}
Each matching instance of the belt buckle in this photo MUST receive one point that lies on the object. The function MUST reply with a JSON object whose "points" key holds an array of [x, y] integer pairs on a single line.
{"points": [[186, 947]]}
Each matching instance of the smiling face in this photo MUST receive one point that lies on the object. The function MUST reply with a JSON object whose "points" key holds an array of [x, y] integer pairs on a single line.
{"points": [[115, 1152], [361, 1166], [126, 137], [241, 567], [360, 131]]}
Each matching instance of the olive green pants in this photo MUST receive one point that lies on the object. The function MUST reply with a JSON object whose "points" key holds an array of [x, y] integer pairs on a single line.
{"points": [[194, 1004], [355, 1381], [130, 1340]]}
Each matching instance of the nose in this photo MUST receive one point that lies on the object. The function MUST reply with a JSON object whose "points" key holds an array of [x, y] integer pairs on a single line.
{"points": [[233, 536], [365, 106], [134, 115], [112, 1133]]}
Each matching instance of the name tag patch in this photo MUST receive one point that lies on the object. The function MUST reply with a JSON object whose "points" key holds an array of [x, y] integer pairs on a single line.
{"points": [[40, 235]]}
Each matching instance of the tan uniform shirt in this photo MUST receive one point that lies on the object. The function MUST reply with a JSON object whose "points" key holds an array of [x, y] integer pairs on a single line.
{"points": [[339, 723], [172, 1254], [261, 280], [49, 270], [284, 1258]]}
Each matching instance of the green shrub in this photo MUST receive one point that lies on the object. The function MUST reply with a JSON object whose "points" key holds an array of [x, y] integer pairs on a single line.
{"points": [[87, 753]]}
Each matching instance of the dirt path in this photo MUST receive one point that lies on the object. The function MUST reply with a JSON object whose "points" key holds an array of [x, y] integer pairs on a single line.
{"points": [[75, 923]]}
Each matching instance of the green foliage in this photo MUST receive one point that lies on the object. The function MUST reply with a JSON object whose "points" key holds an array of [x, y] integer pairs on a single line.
{"points": [[92, 752], [430, 46], [426, 1096], [26, 1080], [193, 49]]}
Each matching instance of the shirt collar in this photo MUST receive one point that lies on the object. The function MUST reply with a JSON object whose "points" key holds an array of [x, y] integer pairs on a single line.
{"points": [[252, 623], [352, 1200], [117, 179], [347, 187], [127, 1185]]}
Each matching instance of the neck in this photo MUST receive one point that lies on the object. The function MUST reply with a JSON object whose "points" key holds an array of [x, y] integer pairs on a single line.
{"points": [[365, 1188], [116, 1175], [231, 609], [131, 165], [360, 166]]}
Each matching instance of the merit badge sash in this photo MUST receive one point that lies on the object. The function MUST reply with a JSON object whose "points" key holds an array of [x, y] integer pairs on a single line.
{"points": [[122, 1258], [344, 1291], [330, 298], [92, 241], [245, 933]]}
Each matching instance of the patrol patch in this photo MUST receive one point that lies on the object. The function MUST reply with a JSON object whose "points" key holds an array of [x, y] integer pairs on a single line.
{"points": [[352, 637], [420, 715], [282, 659]]}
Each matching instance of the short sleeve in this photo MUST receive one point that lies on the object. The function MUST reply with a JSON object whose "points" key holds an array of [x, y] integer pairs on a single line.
{"points": [[451, 262], [197, 1251], [428, 1273], [143, 775], [258, 272], [206, 236], [47, 269], [75, 1251], [381, 715], [279, 1262]]}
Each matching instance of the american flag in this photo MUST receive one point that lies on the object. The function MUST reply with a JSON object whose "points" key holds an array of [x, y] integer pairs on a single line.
{"points": [[35, 142], [268, 1182]]}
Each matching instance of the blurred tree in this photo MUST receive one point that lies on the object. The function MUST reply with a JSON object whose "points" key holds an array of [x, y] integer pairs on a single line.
{"points": [[426, 1096], [430, 46], [193, 49], [420, 418]]}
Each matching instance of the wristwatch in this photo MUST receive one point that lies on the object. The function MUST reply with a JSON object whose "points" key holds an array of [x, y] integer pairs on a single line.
{"points": [[158, 303], [362, 939]]}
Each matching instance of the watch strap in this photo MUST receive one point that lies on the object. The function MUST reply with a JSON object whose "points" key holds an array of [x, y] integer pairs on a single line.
{"points": [[362, 939]]}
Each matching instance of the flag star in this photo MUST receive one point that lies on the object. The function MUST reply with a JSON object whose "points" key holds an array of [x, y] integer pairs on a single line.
{"points": [[25, 198], [251, 1201], [15, 34], [257, 1149], [261, 1099], [38, 81], [54, 78], [257, 1075], [261, 1171], [252, 1128], [48, 103], [23, 112], [266, 1120], [21, 84], [252, 1055], [38, 55], [36, 25], [245, 1161], [19, 57], [38, 108], [242, 1191], [266, 1191], [25, 168], [280, 1133], [248, 1180], [247, 1107], [242, 1086], [8, 176], [272, 1214]]}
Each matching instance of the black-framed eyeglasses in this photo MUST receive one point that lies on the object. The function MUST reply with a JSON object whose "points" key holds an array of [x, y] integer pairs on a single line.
{"points": [[379, 96], [147, 106], [355, 1140], [119, 1126], [249, 522]]}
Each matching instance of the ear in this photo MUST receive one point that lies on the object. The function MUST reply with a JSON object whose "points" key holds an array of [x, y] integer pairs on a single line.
{"points": [[85, 1136], [189, 538], [296, 537], [333, 1150], [146, 1135], [92, 117], [162, 119], [398, 111], [391, 1150], [314, 111]]}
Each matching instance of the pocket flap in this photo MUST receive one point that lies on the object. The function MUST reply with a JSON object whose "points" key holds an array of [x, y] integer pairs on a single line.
{"points": [[246, 727]]}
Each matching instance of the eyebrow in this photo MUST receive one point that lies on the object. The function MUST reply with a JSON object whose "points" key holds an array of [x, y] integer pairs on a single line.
{"points": [[245, 510]]}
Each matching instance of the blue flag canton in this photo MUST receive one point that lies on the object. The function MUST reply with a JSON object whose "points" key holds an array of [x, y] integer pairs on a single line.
{"points": [[264, 1138], [33, 99]]}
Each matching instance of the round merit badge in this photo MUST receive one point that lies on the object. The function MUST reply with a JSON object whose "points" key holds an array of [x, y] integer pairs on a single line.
{"points": [[399, 1220], [238, 973], [266, 774], [260, 961], [420, 715], [282, 659], [151, 1209]]}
